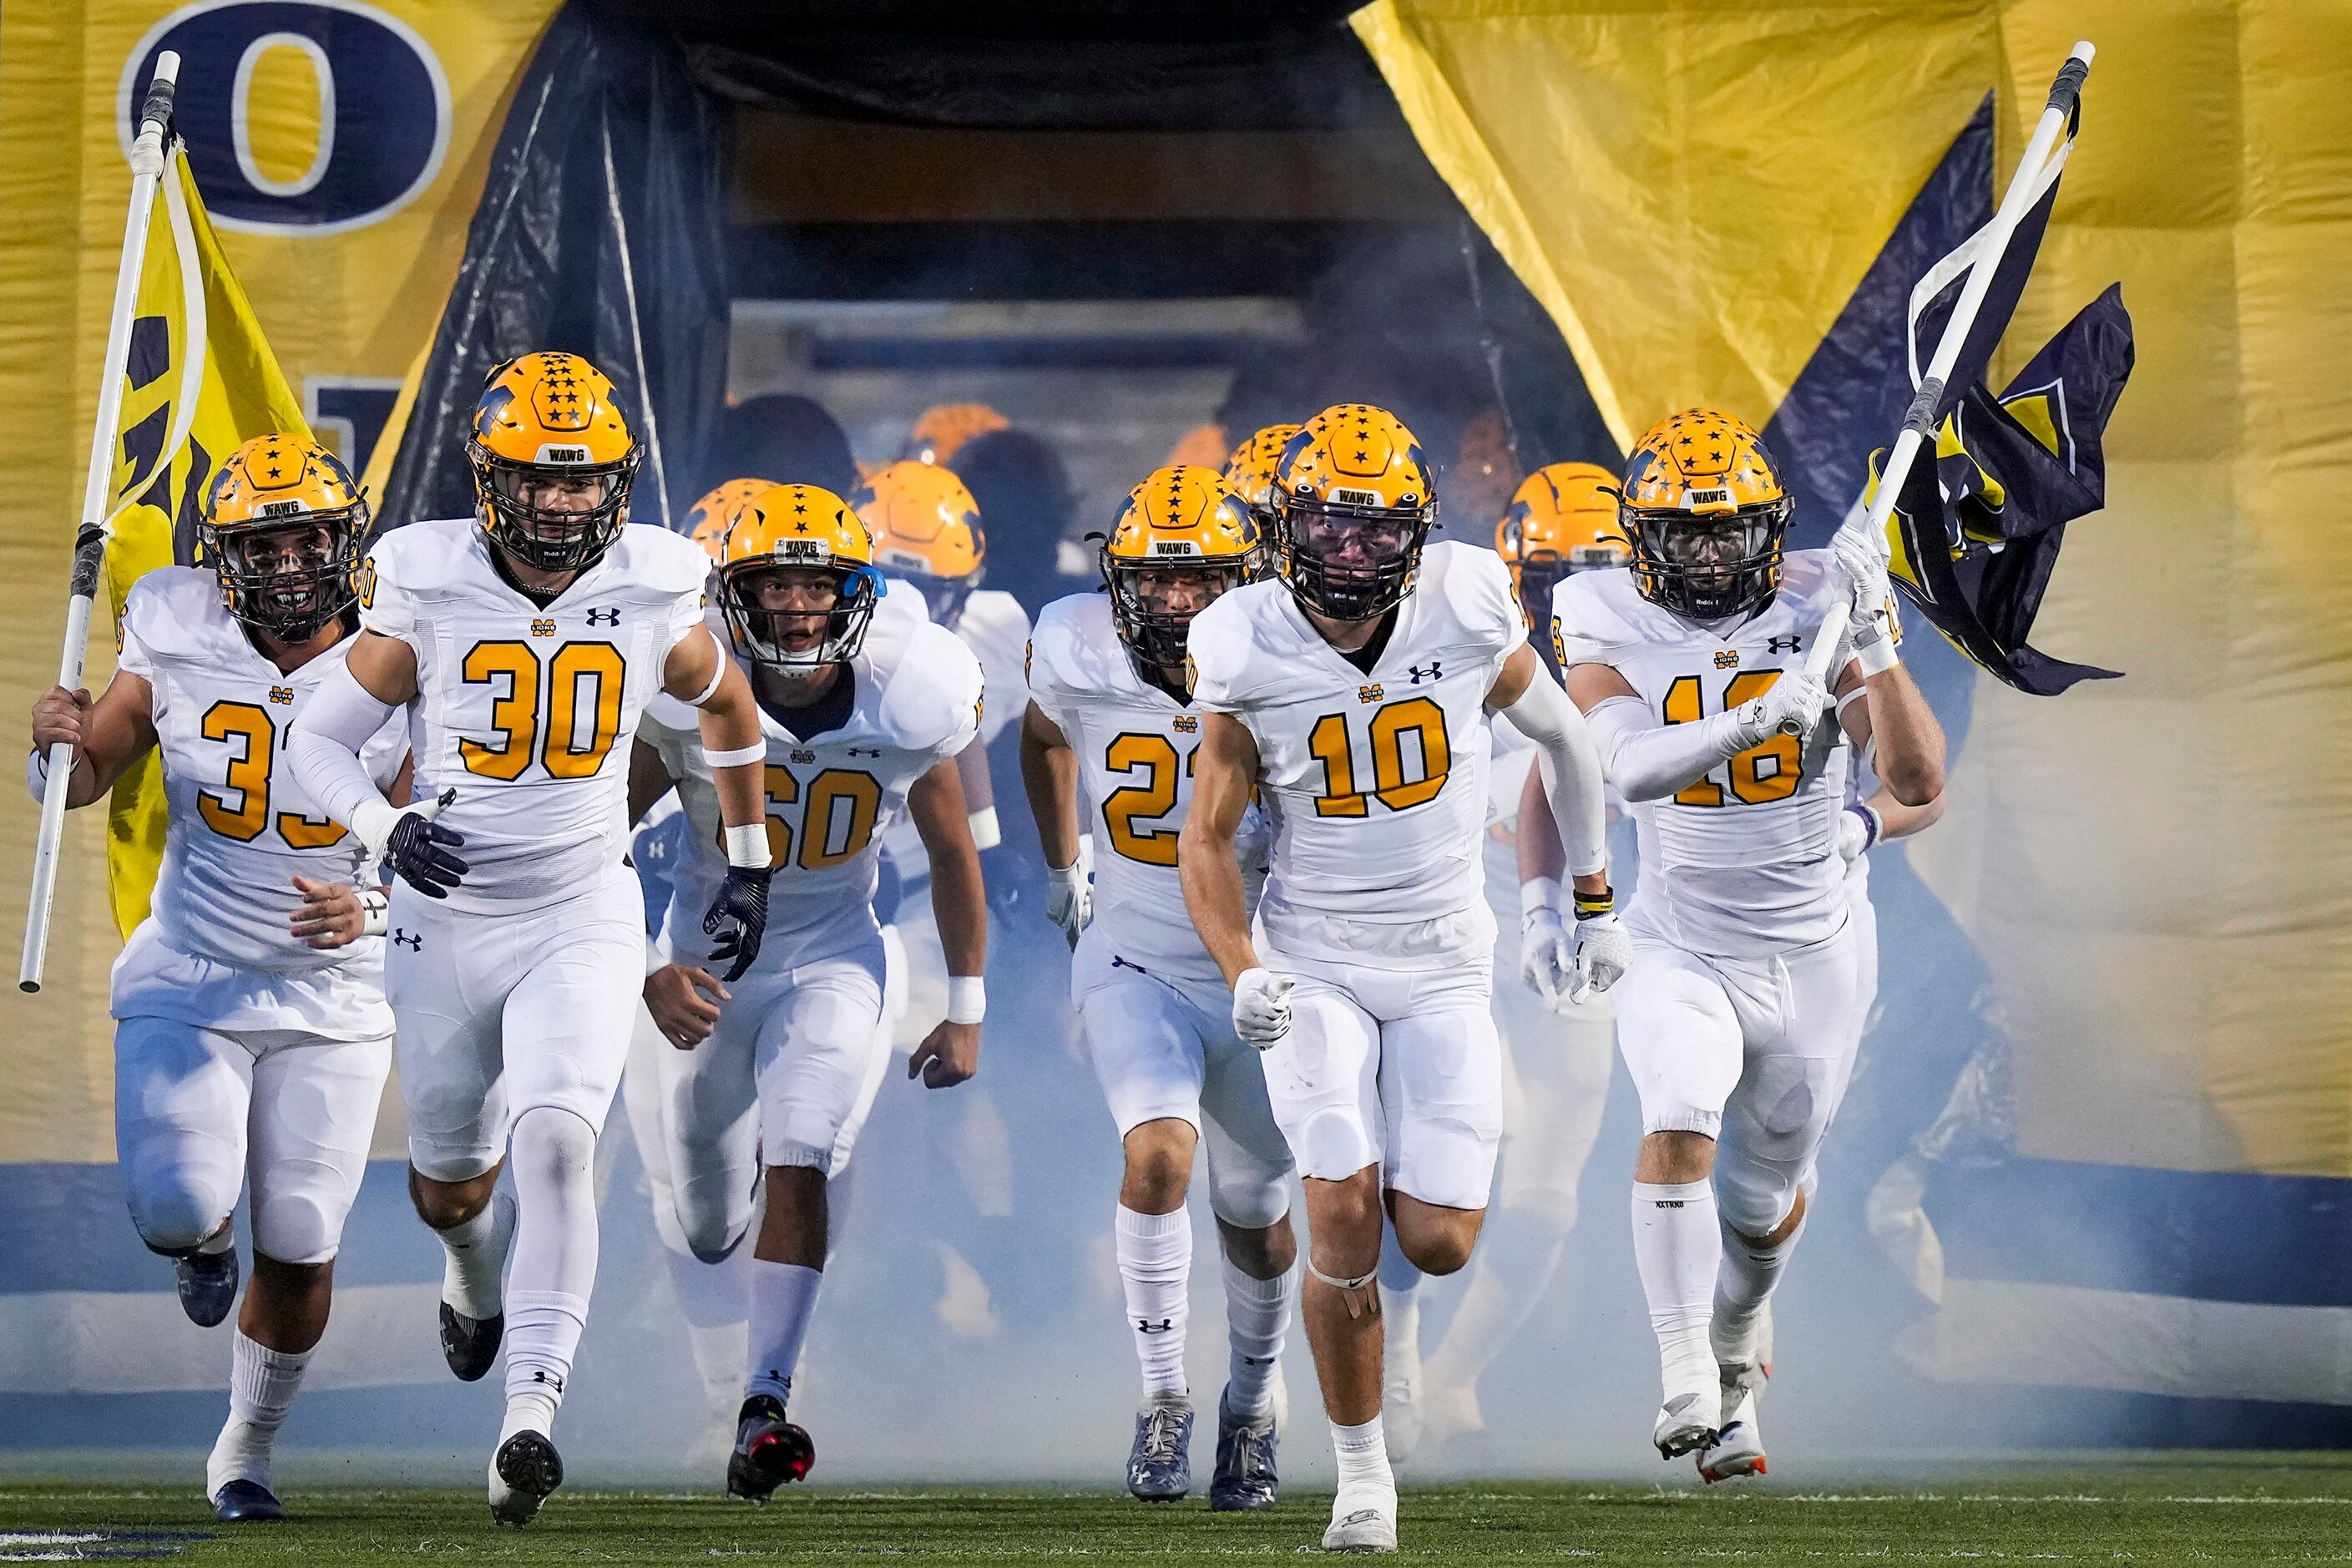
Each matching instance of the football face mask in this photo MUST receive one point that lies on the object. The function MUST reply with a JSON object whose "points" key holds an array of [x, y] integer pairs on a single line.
{"points": [[796, 619]]}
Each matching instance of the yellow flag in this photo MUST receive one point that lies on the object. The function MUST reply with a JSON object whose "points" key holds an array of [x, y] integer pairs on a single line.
{"points": [[199, 382]]}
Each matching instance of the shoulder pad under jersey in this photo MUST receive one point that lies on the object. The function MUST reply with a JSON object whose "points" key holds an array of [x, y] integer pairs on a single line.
{"points": [[174, 612], [931, 702]]}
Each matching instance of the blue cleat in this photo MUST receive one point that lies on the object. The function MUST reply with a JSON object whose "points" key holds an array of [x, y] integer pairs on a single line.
{"points": [[1246, 1477], [247, 1503], [769, 1451], [1160, 1465], [208, 1283]]}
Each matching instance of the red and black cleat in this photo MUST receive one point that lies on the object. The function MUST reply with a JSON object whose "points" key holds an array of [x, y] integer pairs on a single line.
{"points": [[769, 1451]]}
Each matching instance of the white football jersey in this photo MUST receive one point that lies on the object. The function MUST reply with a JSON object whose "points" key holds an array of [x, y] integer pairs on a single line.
{"points": [[526, 711], [996, 628], [1135, 745], [240, 827], [1376, 781], [1744, 861], [832, 798]]}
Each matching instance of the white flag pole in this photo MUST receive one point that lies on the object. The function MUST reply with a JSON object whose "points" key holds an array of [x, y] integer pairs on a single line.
{"points": [[1919, 421], [89, 540]]}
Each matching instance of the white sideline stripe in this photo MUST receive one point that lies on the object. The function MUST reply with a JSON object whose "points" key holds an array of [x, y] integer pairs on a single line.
{"points": [[139, 1342], [2065, 1336]]}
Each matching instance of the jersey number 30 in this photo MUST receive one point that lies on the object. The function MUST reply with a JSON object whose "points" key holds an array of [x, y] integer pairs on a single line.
{"points": [[515, 714]]}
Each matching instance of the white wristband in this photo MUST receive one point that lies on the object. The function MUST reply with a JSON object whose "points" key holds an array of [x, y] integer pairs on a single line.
{"points": [[967, 999], [747, 847], [375, 911], [1877, 655], [1539, 893], [986, 833], [736, 758]]}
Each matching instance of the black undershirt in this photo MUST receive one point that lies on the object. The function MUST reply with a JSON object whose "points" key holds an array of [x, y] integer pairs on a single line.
{"points": [[542, 597], [829, 711], [1364, 657]]}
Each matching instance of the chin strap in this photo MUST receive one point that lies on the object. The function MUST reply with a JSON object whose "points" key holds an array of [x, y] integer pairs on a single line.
{"points": [[1362, 1294]]}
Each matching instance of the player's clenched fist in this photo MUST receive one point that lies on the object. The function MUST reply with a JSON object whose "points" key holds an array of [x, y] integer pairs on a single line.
{"points": [[949, 1055], [1604, 951], [59, 718], [684, 1001], [739, 918], [1262, 1007]]}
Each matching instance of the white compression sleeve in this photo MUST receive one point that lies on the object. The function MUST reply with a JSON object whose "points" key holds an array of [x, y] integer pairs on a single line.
{"points": [[324, 748], [1650, 760], [1571, 771]]}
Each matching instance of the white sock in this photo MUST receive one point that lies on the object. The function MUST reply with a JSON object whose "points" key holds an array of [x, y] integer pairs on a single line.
{"points": [[784, 1300], [220, 1240], [262, 1383], [474, 1257], [1677, 1247], [1155, 1265], [1750, 1274], [553, 1158], [1363, 1454], [1257, 1320]]}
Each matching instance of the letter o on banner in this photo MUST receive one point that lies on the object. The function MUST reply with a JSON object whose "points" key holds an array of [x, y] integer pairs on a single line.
{"points": [[384, 107]]}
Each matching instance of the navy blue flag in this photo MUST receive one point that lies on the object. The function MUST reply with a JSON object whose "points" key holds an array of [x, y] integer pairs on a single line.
{"points": [[1976, 532]]}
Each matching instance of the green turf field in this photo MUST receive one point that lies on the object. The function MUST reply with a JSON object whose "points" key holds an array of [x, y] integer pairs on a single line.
{"points": [[2168, 1509]]}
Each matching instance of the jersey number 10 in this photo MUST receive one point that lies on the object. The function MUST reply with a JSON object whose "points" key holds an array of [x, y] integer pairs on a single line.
{"points": [[1330, 744]]}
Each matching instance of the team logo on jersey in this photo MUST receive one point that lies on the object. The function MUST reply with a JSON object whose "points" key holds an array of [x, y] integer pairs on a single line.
{"points": [[608, 617], [413, 941], [1789, 643], [1368, 694], [1186, 724], [542, 628], [1727, 659], [1434, 673], [800, 755], [282, 695]]}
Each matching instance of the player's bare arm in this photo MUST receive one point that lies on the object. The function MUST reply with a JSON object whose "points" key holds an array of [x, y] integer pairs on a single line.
{"points": [[698, 673], [950, 1052], [1224, 769], [1049, 776], [1893, 713], [108, 734]]}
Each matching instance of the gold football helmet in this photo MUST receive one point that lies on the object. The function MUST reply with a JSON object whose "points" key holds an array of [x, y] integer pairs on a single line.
{"points": [[1706, 511], [926, 528], [1355, 501], [281, 529], [796, 579], [944, 426], [1562, 520], [552, 459], [1249, 468], [707, 522], [1182, 537]]}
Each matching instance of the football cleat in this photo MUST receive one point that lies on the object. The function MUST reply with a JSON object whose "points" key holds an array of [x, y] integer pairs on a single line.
{"points": [[1738, 1449], [1245, 1476], [208, 1282], [246, 1502], [1685, 1422], [524, 1473], [1159, 1464], [1362, 1520], [769, 1451], [470, 1345]]}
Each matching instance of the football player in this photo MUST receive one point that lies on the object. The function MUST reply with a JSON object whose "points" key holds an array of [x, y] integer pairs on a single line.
{"points": [[943, 427], [1556, 1052], [1249, 468], [251, 1035], [1110, 714], [1356, 695], [526, 640], [862, 717], [1737, 1017]]}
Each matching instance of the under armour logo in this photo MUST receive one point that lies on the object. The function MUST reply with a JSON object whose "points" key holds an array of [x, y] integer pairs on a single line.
{"points": [[1118, 962], [861, 751], [611, 617], [413, 941], [1145, 1326], [1433, 672], [551, 1379], [1789, 643], [283, 695]]}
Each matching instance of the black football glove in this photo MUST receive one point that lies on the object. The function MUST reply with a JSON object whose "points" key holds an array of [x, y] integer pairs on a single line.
{"points": [[418, 853], [739, 918]]}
